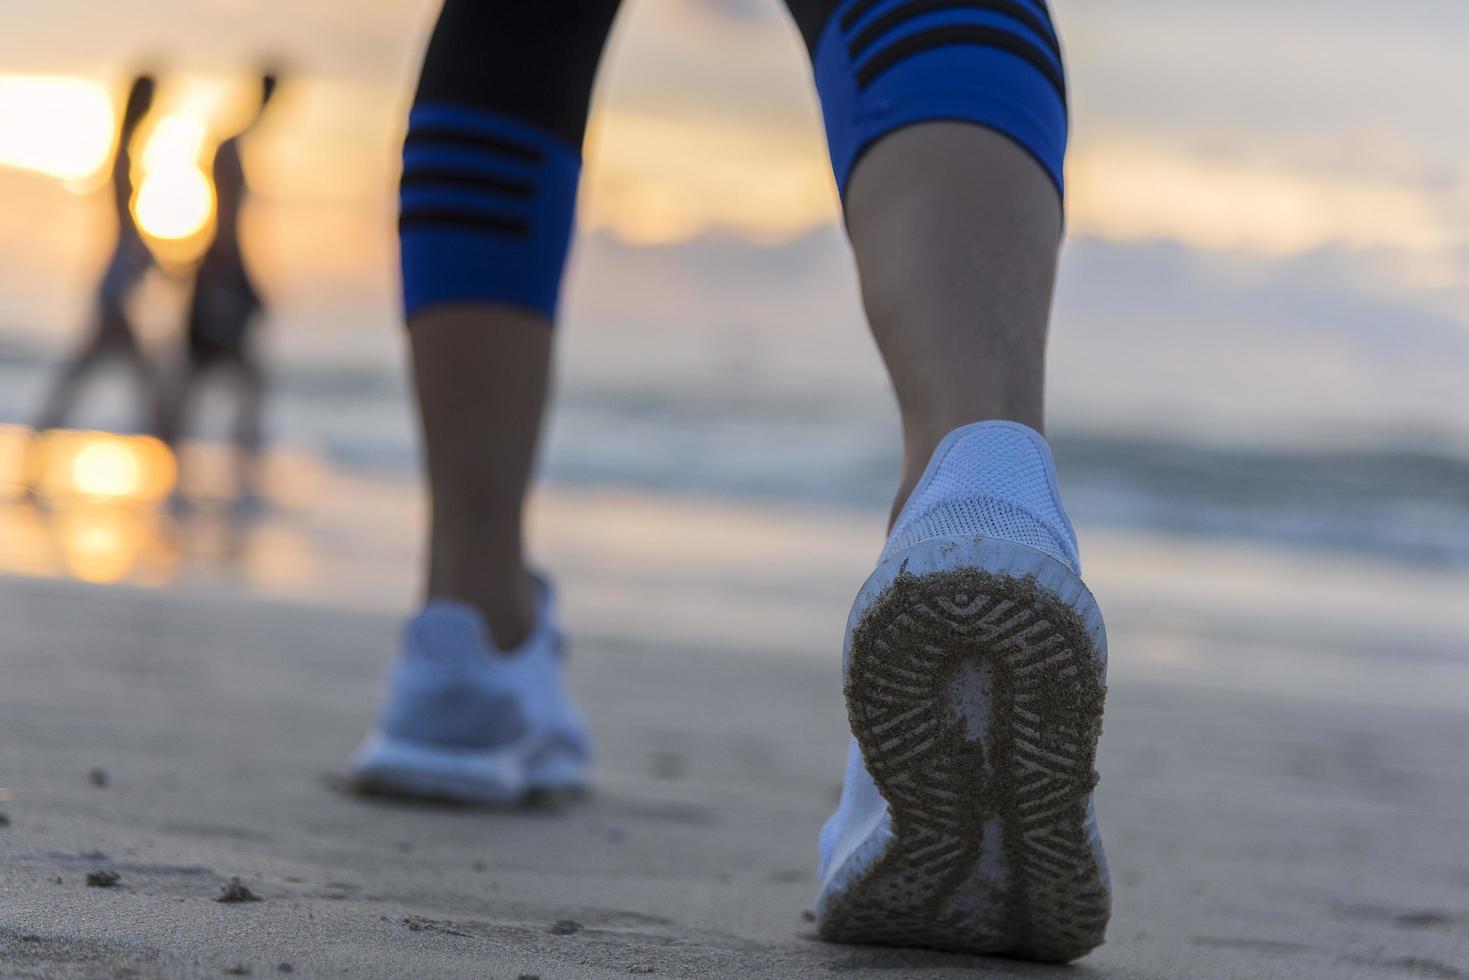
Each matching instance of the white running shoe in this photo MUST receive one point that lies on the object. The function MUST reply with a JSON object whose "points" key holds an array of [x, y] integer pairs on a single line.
{"points": [[975, 668], [465, 722]]}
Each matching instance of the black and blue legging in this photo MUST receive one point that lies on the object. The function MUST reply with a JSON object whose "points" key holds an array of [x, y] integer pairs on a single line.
{"points": [[493, 150]]}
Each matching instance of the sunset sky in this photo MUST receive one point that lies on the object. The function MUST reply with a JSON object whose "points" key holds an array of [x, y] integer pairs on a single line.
{"points": [[1281, 187]]}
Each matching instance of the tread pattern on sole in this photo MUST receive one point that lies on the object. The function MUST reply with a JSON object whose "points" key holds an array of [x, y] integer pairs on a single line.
{"points": [[1026, 774]]}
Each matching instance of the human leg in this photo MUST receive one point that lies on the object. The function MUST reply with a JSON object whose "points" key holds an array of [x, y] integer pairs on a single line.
{"points": [[956, 231], [248, 433], [489, 182], [975, 657], [482, 376], [947, 127], [100, 344], [475, 707]]}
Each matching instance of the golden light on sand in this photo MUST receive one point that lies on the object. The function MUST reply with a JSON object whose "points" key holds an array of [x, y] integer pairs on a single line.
{"points": [[100, 494], [101, 543], [13, 442], [101, 466], [58, 126], [106, 468]]}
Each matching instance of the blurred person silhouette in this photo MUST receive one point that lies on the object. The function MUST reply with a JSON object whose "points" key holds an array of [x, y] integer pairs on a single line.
{"points": [[111, 334], [223, 310], [974, 656]]}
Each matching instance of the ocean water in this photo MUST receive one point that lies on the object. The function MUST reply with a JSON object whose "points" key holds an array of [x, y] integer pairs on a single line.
{"points": [[746, 435]]}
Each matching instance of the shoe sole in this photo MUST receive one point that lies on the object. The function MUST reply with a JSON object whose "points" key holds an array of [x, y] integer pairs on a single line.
{"points": [[388, 766], [975, 680]]}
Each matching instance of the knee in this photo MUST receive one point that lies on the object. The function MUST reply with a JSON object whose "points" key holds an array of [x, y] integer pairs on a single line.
{"points": [[492, 155], [884, 64], [486, 209]]}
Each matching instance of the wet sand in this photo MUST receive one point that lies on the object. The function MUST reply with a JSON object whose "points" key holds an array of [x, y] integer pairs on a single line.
{"points": [[183, 737]]}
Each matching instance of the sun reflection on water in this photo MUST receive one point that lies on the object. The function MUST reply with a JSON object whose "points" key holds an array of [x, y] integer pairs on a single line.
{"points": [[102, 543], [102, 508], [96, 496], [100, 466]]}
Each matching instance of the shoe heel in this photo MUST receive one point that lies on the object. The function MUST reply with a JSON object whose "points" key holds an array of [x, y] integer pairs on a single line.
{"points": [[975, 684]]}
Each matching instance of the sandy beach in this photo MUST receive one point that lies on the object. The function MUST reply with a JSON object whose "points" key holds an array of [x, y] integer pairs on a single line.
{"points": [[1254, 376], [187, 735]]}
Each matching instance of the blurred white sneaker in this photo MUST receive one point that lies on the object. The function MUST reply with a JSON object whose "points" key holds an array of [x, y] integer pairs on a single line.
{"points": [[975, 668], [463, 721]]}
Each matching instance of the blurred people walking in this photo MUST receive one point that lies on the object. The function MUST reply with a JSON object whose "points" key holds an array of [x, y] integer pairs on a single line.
{"points": [[222, 313], [111, 334]]}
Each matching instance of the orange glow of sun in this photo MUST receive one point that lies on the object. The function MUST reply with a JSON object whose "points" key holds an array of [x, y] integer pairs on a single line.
{"points": [[59, 126], [175, 199]]}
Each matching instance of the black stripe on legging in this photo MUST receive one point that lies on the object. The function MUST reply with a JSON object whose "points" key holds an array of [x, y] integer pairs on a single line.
{"points": [[426, 177], [863, 7], [1013, 9], [419, 135], [429, 218], [957, 34]]}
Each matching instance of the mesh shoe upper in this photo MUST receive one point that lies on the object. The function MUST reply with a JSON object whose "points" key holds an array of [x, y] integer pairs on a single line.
{"points": [[991, 478], [452, 688]]}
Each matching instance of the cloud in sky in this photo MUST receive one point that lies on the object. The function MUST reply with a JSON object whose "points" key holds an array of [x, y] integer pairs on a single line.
{"points": [[1145, 334], [1143, 188], [1250, 125]]}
